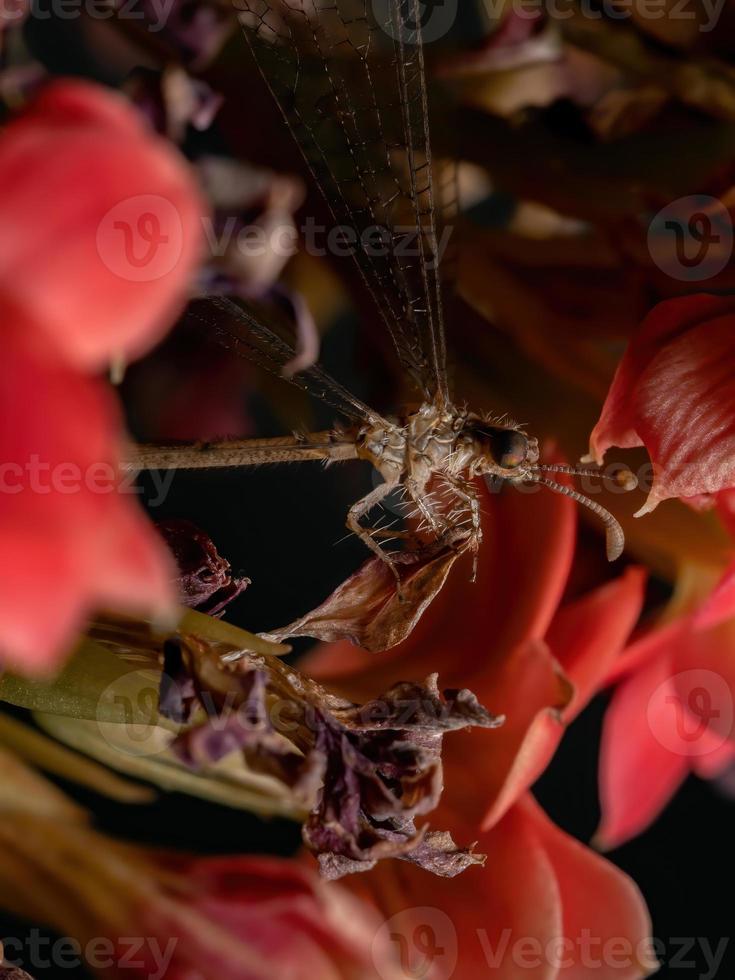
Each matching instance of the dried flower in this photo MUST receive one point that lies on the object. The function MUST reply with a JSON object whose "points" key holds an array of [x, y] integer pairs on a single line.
{"points": [[364, 772]]}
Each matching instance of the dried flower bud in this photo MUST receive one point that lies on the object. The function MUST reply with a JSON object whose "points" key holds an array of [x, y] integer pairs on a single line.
{"points": [[205, 579]]}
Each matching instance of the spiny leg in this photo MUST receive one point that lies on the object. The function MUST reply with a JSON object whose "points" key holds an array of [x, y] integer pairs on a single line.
{"points": [[418, 494], [359, 510], [465, 491]]}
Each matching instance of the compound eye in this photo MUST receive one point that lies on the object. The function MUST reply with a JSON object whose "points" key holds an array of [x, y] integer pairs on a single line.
{"points": [[510, 448]]}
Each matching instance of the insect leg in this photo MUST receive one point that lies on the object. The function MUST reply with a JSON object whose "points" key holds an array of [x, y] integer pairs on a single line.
{"points": [[466, 493], [417, 492], [359, 510]]}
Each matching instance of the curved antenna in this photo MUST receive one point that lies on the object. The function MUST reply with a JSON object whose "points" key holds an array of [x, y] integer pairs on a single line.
{"points": [[614, 537], [624, 477]]}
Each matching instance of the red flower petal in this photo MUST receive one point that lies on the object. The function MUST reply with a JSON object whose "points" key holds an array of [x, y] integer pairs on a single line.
{"points": [[534, 693], [585, 638], [610, 935], [526, 913], [638, 773], [494, 920], [674, 393], [281, 917], [719, 606], [102, 229], [70, 539]]}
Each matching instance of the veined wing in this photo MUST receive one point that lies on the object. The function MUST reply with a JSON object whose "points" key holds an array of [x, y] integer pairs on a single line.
{"points": [[236, 327], [353, 93]]}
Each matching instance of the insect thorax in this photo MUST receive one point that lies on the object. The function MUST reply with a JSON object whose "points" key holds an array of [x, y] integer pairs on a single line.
{"points": [[450, 441]]}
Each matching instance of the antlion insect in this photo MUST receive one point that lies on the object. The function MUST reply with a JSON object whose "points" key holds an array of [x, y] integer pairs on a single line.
{"points": [[351, 87]]}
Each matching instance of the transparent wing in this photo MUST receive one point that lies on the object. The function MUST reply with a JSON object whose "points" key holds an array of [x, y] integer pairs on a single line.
{"points": [[353, 93], [241, 329]]}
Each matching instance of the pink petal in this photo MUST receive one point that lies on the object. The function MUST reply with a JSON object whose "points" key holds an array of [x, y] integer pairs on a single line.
{"points": [[717, 761], [703, 676]]}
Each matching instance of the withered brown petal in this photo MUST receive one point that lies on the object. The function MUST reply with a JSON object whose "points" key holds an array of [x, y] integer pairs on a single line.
{"points": [[367, 607], [437, 853]]}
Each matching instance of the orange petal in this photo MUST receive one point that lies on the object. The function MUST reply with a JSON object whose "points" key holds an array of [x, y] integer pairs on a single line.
{"points": [[494, 920]]}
